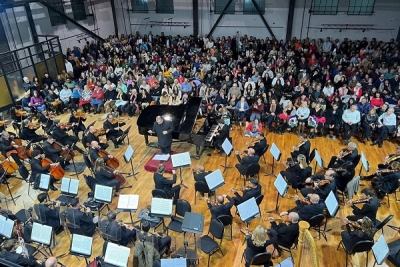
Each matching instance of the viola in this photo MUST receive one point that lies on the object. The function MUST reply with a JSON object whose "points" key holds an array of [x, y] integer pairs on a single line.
{"points": [[33, 125], [56, 171], [99, 132], [116, 176], [4, 123], [22, 151], [21, 113], [68, 154], [110, 162], [8, 166], [65, 125], [80, 115]]}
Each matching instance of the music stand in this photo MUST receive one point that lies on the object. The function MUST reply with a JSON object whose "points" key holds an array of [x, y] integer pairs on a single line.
{"points": [[276, 155], [161, 208], [126, 132], [248, 210], [318, 160], [116, 255], [128, 158], [42, 235], [128, 203], [81, 246], [69, 189], [181, 160], [332, 205], [177, 262], [365, 164], [227, 148], [6, 227], [3, 180], [380, 250], [44, 183], [282, 188], [214, 181], [103, 194], [192, 223]]}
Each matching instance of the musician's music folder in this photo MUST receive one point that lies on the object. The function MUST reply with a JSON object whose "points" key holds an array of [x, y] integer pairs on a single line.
{"points": [[193, 223], [181, 160], [161, 207], [81, 245], [332, 204], [116, 255], [103, 193], [215, 180], [128, 202], [248, 210], [177, 262], [41, 234], [6, 226], [69, 186]]}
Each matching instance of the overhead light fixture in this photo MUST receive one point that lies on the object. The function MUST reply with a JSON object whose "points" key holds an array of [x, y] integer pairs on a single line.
{"points": [[151, 26], [340, 30], [79, 41], [320, 30], [363, 30]]}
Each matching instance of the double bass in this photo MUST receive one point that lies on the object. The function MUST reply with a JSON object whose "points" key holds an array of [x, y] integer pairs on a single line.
{"points": [[56, 171], [117, 176], [68, 154]]}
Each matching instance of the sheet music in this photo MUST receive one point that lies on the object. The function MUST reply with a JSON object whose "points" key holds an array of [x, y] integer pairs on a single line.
{"points": [[65, 185], [41, 233], [285, 263], [215, 180], [161, 206], [181, 159], [81, 244], [364, 162], [275, 152], [281, 185], [44, 181], [69, 186], [103, 193], [248, 209], [331, 204], [178, 262], [117, 255], [380, 250], [128, 202], [6, 226], [163, 157], [318, 159], [227, 146], [128, 153]]}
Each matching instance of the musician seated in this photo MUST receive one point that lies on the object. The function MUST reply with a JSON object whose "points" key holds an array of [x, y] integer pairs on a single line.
{"points": [[8, 145], [307, 208], [79, 219], [344, 175], [165, 185], [384, 184], [253, 189], [199, 175], [219, 207], [37, 170], [244, 162], [9, 254], [321, 184], [347, 154], [60, 134], [91, 136], [116, 231], [77, 122], [287, 233], [253, 129], [114, 131], [54, 153], [163, 243], [28, 133], [363, 230], [297, 172], [45, 214], [94, 152], [105, 177], [46, 120], [221, 135], [258, 146], [390, 158], [303, 147], [257, 242], [369, 209]]}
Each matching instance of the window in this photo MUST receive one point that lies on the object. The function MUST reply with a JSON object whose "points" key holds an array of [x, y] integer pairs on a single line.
{"points": [[165, 6], [55, 18], [219, 6], [325, 7], [140, 6], [78, 9], [361, 7], [250, 9]]}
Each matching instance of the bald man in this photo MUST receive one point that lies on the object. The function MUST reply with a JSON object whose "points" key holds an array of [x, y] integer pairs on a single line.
{"points": [[307, 210], [163, 129], [51, 262], [287, 233], [94, 152], [220, 208], [244, 162], [91, 137]]}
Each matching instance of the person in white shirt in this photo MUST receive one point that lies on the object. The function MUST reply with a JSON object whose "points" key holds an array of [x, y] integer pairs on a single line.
{"points": [[65, 95], [278, 77], [351, 117], [69, 68], [327, 46], [302, 113], [386, 124], [250, 81]]}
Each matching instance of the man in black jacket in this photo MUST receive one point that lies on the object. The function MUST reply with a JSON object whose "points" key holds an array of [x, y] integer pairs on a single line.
{"points": [[92, 137], [114, 131], [333, 121], [220, 208], [163, 129], [287, 233], [303, 148], [61, 136], [37, 169], [260, 145], [114, 231], [369, 209], [78, 219], [346, 154], [94, 152], [46, 215], [53, 153], [165, 185], [222, 135], [10, 255], [244, 162], [322, 188], [307, 210], [253, 189], [199, 175], [6, 145], [29, 134]]}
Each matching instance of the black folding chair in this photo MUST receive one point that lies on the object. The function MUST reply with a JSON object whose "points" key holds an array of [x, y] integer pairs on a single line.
{"points": [[208, 244], [359, 247], [182, 206], [201, 187]]}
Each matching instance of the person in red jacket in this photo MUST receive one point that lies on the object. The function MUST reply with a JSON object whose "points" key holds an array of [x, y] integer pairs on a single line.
{"points": [[253, 129]]}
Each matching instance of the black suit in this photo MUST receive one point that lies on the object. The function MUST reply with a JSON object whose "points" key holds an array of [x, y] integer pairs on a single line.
{"points": [[200, 176], [287, 233], [18, 259], [61, 136], [94, 155], [369, 209], [306, 212], [164, 140], [47, 216], [36, 170], [224, 209], [322, 191], [91, 137], [223, 134], [333, 118], [53, 153], [106, 178], [77, 128], [82, 220], [114, 232], [339, 162], [245, 162], [247, 194], [5, 146], [165, 185], [112, 133], [31, 135], [304, 150], [259, 147]]}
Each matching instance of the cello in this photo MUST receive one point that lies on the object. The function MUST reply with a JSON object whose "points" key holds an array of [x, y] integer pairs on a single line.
{"points": [[110, 162], [56, 171], [8, 166], [22, 151], [117, 176], [68, 154]]}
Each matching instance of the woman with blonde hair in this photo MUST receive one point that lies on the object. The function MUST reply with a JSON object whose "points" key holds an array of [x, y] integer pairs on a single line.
{"points": [[257, 242], [297, 172], [364, 231]]}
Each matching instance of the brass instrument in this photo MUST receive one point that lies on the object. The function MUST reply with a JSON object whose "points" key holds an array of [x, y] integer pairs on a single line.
{"points": [[298, 145], [392, 158]]}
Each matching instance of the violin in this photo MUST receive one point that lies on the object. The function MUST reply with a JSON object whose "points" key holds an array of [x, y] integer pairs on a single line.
{"points": [[8, 166], [244, 188], [33, 125], [68, 154], [80, 115], [355, 225], [117, 175], [298, 145], [65, 125], [359, 201], [323, 182], [21, 113], [99, 132], [4, 123], [116, 120], [344, 153], [56, 170], [305, 201], [212, 202], [110, 162], [22, 151]]}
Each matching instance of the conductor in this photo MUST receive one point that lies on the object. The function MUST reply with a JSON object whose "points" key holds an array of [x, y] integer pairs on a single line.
{"points": [[163, 130]]}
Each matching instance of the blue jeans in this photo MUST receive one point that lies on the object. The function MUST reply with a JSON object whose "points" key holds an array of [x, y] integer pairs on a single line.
{"points": [[251, 133], [254, 116]]}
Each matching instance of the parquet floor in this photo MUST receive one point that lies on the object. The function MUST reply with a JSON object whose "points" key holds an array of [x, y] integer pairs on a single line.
{"points": [[232, 249]]}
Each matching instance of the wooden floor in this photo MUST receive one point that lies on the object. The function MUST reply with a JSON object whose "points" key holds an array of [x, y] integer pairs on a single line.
{"points": [[232, 249]]}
